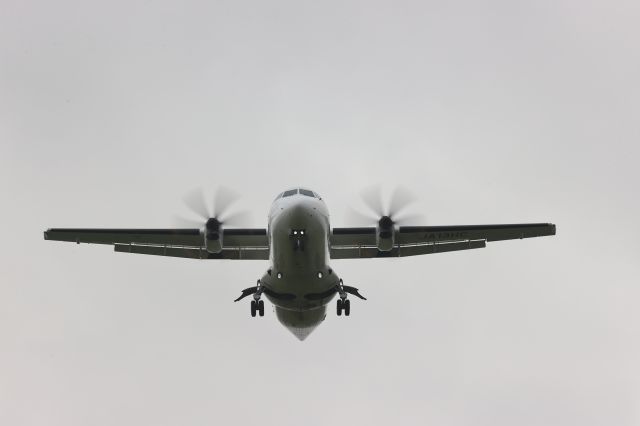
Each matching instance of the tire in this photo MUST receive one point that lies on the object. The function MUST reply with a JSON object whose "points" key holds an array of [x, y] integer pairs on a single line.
{"points": [[261, 308], [339, 307], [347, 307], [253, 308]]}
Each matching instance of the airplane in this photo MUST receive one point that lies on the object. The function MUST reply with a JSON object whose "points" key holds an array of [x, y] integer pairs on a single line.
{"points": [[299, 244]]}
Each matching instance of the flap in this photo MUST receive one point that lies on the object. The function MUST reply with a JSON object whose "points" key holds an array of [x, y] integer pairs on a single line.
{"points": [[353, 237], [195, 253], [403, 251], [245, 237]]}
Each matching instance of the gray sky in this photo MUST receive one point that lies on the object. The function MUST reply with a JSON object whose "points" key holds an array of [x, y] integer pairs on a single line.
{"points": [[498, 111]]}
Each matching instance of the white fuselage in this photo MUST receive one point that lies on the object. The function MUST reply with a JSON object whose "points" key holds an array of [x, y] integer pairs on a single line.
{"points": [[299, 282]]}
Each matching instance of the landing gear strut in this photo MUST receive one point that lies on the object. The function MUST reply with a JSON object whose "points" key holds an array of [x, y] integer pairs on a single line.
{"points": [[343, 304], [257, 305]]}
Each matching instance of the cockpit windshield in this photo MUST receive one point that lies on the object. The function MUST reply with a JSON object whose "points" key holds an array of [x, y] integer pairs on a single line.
{"points": [[300, 191]]}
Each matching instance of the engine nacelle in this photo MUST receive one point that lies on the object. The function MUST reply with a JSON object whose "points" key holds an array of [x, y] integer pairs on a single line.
{"points": [[213, 236], [385, 234]]}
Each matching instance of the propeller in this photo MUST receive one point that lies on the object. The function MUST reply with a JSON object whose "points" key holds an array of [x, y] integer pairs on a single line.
{"points": [[216, 214], [386, 212]]}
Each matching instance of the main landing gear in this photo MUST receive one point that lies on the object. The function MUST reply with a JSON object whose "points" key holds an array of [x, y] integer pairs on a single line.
{"points": [[257, 305], [343, 304]]}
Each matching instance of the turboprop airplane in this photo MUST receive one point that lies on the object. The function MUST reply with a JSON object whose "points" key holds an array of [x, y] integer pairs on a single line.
{"points": [[299, 243]]}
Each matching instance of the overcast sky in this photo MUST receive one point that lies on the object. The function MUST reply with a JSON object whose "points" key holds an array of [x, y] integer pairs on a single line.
{"points": [[490, 112]]}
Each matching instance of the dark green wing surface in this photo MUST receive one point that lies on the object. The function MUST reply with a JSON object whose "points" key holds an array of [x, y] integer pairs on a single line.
{"points": [[187, 243], [355, 243]]}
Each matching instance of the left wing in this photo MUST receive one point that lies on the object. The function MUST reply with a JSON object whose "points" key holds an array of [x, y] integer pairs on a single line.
{"points": [[247, 243], [354, 243]]}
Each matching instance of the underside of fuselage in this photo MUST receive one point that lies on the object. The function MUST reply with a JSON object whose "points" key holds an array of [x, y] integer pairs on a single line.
{"points": [[300, 282]]}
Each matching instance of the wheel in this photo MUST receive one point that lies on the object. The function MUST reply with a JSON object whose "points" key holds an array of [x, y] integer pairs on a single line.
{"points": [[347, 307], [261, 308], [339, 307], [253, 308]]}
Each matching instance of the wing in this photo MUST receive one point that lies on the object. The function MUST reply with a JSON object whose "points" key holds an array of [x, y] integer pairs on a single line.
{"points": [[188, 243], [354, 243]]}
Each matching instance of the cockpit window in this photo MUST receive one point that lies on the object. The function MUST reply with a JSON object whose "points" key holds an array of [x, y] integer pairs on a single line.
{"points": [[289, 192], [306, 192]]}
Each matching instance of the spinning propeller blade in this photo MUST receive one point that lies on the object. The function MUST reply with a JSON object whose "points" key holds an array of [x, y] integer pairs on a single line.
{"points": [[223, 199], [376, 208]]}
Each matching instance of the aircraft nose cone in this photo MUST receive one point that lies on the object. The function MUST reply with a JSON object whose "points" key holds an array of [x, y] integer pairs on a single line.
{"points": [[301, 333], [301, 323]]}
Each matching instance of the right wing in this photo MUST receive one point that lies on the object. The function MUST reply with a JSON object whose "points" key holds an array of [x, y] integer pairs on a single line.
{"points": [[242, 243], [354, 243]]}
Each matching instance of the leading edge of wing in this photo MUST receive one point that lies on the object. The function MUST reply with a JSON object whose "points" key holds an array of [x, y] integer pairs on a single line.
{"points": [[186, 237], [233, 237]]}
